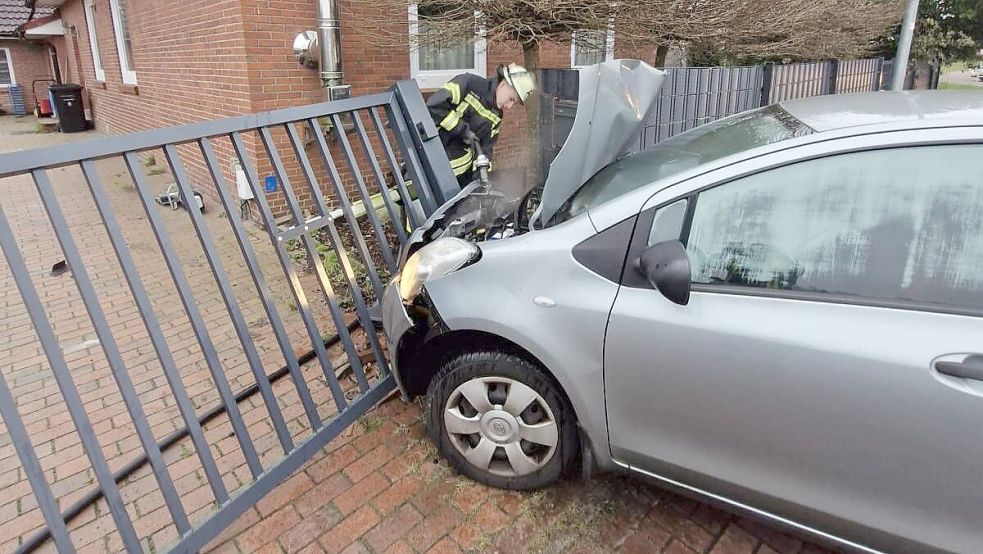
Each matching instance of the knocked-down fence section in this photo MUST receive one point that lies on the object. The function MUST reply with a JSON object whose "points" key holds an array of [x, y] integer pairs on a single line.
{"points": [[350, 254]]}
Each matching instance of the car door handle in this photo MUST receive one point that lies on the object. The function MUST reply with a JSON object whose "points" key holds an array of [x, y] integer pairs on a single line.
{"points": [[970, 368]]}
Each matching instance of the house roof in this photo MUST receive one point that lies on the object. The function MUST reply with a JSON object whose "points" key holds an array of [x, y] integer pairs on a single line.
{"points": [[14, 13]]}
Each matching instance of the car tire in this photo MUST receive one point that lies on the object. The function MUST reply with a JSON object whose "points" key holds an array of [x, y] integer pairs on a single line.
{"points": [[488, 443]]}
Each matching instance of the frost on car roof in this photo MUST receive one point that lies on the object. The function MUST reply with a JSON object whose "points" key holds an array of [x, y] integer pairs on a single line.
{"points": [[825, 113]]}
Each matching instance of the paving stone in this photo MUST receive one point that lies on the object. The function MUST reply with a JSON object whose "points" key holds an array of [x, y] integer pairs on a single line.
{"points": [[400, 492], [735, 541], [361, 493], [433, 527], [396, 525], [349, 530], [782, 542]]}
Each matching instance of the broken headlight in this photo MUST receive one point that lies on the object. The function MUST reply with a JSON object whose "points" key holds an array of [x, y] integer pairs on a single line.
{"points": [[441, 257]]}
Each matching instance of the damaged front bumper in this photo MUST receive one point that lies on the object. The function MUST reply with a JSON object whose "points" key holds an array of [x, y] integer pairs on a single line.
{"points": [[409, 329], [396, 322]]}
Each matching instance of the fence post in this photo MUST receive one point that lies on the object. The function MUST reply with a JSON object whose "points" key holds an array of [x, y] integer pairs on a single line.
{"points": [[887, 69], [878, 74], [766, 76], [832, 71]]}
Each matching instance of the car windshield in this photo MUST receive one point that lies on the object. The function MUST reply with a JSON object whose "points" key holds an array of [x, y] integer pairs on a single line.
{"points": [[684, 151]]}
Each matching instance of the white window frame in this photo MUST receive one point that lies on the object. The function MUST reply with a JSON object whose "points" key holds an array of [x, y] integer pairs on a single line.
{"points": [[608, 48], [10, 67], [431, 79], [128, 73], [90, 23]]}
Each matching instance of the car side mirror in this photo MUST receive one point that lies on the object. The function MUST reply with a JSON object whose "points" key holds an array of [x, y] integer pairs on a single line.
{"points": [[666, 266]]}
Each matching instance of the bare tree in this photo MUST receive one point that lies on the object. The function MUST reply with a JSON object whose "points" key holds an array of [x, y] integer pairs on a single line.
{"points": [[800, 29]]}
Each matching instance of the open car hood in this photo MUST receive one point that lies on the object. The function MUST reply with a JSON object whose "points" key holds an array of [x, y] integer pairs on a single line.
{"points": [[615, 99]]}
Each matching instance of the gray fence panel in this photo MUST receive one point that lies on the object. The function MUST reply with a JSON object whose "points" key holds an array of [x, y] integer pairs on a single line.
{"points": [[380, 234], [66, 386], [163, 352], [327, 291], [425, 164], [346, 206], [401, 188], [108, 343], [279, 331], [366, 142], [194, 314], [858, 75], [336, 243], [693, 96], [296, 289], [231, 304]]}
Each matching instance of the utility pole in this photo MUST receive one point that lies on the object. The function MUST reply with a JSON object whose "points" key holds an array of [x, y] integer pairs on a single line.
{"points": [[904, 45]]}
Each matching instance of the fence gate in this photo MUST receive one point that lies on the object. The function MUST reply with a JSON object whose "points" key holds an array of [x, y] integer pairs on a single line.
{"points": [[152, 379]]}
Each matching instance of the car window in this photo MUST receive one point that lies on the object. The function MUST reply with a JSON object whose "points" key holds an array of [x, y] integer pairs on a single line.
{"points": [[703, 144], [901, 225], [668, 222]]}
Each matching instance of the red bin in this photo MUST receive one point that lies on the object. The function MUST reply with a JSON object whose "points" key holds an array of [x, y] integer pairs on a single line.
{"points": [[44, 107]]}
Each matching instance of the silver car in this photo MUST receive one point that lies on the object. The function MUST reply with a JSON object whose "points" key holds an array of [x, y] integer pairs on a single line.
{"points": [[780, 312]]}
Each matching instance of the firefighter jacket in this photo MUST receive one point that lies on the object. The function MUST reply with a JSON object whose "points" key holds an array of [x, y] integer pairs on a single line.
{"points": [[466, 101]]}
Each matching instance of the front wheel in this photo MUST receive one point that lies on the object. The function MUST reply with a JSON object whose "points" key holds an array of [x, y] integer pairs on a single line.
{"points": [[501, 421]]}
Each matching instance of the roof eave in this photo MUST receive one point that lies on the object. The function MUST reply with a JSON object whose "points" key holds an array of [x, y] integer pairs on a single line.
{"points": [[49, 3]]}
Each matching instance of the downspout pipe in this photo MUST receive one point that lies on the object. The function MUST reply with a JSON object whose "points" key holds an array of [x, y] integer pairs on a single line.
{"points": [[329, 44]]}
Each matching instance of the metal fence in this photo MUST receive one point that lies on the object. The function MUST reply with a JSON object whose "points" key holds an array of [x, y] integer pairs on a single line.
{"points": [[263, 446], [692, 96]]}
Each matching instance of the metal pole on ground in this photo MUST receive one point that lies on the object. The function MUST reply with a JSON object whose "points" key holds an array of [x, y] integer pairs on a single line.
{"points": [[904, 45]]}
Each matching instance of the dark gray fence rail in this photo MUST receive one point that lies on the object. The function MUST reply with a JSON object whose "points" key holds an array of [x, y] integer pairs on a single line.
{"points": [[391, 128]]}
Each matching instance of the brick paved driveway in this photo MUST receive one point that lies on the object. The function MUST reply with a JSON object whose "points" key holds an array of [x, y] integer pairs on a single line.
{"points": [[382, 488], [378, 488]]}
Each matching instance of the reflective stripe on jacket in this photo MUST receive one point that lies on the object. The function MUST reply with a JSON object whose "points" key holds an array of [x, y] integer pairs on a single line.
{"points": [[466, 101]]}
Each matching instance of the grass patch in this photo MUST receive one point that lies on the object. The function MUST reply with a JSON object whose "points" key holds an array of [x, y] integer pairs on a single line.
{"points": [[568, 522], [483, 543], [955, 66], [369, 423], [960, 86], [401, 429]]}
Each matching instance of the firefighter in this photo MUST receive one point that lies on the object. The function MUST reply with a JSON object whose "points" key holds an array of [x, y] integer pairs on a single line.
{"points": [[468, 109]]}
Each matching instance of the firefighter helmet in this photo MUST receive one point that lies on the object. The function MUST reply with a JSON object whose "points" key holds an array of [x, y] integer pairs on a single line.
{"points": [[521, 81]]}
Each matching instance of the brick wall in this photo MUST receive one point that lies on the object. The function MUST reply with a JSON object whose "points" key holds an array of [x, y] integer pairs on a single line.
{"points": [[31, 61], [197, 61], [191, 65]]}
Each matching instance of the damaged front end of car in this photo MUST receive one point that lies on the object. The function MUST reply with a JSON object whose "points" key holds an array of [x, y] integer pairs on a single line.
{"points": [[614, 100]]}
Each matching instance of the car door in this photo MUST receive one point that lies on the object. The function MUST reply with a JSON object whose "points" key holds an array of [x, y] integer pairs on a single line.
{"points": [[827, 365]]}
